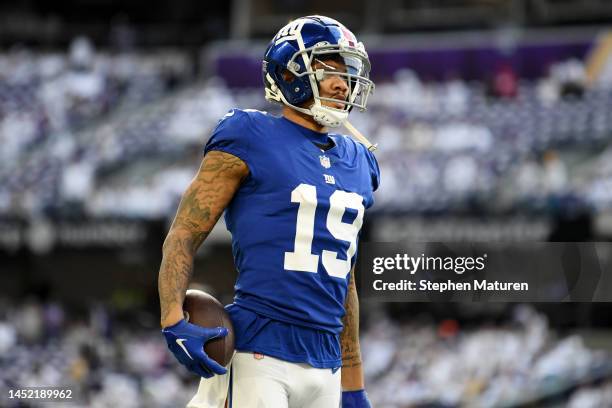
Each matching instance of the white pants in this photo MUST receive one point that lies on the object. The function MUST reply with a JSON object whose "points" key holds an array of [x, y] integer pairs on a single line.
{"points": [[266, 382]]}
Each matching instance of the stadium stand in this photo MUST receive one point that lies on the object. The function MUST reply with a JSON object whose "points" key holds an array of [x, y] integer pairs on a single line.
{"points": [[464, 147], [421, 364]]}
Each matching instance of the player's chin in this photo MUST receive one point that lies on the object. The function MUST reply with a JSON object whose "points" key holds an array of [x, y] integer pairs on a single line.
{"points": [[335, 105]]}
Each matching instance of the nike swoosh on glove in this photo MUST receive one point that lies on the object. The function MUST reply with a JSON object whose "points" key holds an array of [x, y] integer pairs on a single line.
{"points": [[355, 399], [186, 341]]}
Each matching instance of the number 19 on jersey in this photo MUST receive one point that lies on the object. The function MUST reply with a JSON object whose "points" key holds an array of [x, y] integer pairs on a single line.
{"points": [[302, 259]]}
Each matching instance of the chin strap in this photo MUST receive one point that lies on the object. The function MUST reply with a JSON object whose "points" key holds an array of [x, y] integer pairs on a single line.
{"points": [[332, 118], [360, 137], [323, 115], [328, 117]]}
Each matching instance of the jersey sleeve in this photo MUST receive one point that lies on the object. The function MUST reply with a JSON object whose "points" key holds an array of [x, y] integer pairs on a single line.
{"points": [[232, 135]]}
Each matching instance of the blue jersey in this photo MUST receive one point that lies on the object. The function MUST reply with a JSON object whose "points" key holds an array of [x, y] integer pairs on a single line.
{"points": [[295, 223]]}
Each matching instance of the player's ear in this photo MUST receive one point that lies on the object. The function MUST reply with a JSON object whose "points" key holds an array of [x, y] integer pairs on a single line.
{"points": [[288, 76]]}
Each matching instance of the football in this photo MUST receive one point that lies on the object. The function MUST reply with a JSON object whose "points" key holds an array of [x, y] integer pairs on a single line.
{"points": [[204, 310]]}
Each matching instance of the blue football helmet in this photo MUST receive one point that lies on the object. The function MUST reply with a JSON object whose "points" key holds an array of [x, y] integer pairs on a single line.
{"points": [[296, 47]]}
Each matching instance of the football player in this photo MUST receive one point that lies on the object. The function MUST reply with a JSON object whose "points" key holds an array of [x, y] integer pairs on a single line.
{"points": [[294, 197]]}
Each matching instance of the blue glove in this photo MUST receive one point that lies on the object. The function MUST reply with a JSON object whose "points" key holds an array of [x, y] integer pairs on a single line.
{"points": [[186, 341], [355, 399]]}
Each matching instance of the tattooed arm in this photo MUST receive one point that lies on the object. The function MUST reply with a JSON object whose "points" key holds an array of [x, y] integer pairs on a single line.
{"points": [[352, 371], [211, 190]]}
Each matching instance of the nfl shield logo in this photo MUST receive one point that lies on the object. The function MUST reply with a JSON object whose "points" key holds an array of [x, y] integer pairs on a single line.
{"points": [[325, 161]]}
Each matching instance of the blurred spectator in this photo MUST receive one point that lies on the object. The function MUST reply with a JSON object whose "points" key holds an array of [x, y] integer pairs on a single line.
{"points": [[77, 182], [54, 317], [17, 131], [460, 175], [592, 397], [571, 76], [555, 173], [528, 179], [455, 97], [8, 338], [30, 322], [505, 83]]}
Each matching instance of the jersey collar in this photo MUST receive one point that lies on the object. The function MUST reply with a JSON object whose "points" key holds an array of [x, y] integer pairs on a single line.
{"points": [[314, 136]]}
